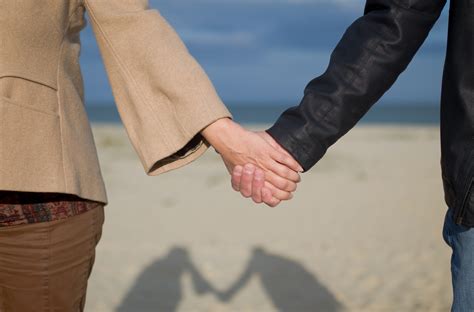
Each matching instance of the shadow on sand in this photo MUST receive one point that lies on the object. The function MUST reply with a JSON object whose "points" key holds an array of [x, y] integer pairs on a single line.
{"points": [[288, 285]]}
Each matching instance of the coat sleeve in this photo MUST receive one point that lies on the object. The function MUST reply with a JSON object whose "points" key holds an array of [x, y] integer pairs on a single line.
{"points": [[372, 53], [162, 94]]}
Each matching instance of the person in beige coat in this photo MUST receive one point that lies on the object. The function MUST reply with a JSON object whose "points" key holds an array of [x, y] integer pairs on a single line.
{"points": [[52, 193]]}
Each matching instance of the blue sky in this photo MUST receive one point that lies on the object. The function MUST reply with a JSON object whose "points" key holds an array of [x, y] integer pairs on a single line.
{"points": [[266, 51]]}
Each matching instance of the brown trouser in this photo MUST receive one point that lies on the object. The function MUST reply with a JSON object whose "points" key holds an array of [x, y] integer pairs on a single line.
{"points": [[45, 266]]}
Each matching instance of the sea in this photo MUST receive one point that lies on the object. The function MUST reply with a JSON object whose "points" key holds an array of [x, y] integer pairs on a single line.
{"points": [[266, 114]]}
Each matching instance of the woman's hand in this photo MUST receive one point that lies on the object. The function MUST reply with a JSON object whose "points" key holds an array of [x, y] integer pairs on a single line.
{"points": [[275, 172]]}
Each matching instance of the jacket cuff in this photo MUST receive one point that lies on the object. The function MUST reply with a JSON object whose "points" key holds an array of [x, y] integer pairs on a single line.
{"points": [[185, 147], [305, 150]]}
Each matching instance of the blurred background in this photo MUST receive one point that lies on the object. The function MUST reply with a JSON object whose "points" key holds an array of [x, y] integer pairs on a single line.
{"points": [[362, 234], [260, 54]]}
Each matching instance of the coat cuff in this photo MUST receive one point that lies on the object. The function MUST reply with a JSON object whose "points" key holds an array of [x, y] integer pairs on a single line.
{"points": [[185, 147]]}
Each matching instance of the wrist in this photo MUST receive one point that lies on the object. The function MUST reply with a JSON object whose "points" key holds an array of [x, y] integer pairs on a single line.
{"points": [[216, 131]]}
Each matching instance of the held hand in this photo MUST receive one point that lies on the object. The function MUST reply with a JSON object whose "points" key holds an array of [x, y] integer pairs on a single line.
{"points": [[274, 171], [248, 179]]}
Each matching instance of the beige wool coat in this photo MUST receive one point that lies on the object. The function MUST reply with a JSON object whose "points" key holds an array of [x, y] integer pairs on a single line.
{"points": [[163, 96]]}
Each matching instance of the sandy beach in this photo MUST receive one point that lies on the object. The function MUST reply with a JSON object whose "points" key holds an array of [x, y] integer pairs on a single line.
{"points": [[363, 232]]}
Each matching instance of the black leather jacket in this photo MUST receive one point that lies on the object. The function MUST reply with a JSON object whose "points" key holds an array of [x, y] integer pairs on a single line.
{"points": [[373, 52]]}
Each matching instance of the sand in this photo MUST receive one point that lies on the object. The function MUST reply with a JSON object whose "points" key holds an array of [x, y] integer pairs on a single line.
{"points": [[363, 232]]}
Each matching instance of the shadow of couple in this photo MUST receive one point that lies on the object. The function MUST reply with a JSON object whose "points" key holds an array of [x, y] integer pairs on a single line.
{"points": [[288, 285]]}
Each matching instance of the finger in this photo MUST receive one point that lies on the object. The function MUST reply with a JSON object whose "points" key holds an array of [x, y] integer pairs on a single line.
{"points": [[236, 177], [277, 193], [283, 171], [279, 182], [257, 185], [287, 160], [279, 148], [268, 198], [267, 195], [246, 180]]}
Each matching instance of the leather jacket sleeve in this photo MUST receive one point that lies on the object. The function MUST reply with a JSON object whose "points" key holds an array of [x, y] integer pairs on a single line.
{"points": [[372, 53]]}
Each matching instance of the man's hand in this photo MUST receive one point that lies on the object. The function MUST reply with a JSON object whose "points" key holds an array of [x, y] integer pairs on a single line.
{"points": [[274, 172]]}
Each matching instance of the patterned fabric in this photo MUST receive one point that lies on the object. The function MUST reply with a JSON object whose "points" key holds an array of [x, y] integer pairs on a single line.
{"points": [[24, 208]]}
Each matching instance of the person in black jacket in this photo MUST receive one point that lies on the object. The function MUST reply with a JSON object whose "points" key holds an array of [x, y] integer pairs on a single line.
{"points": [[373, 52]]}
